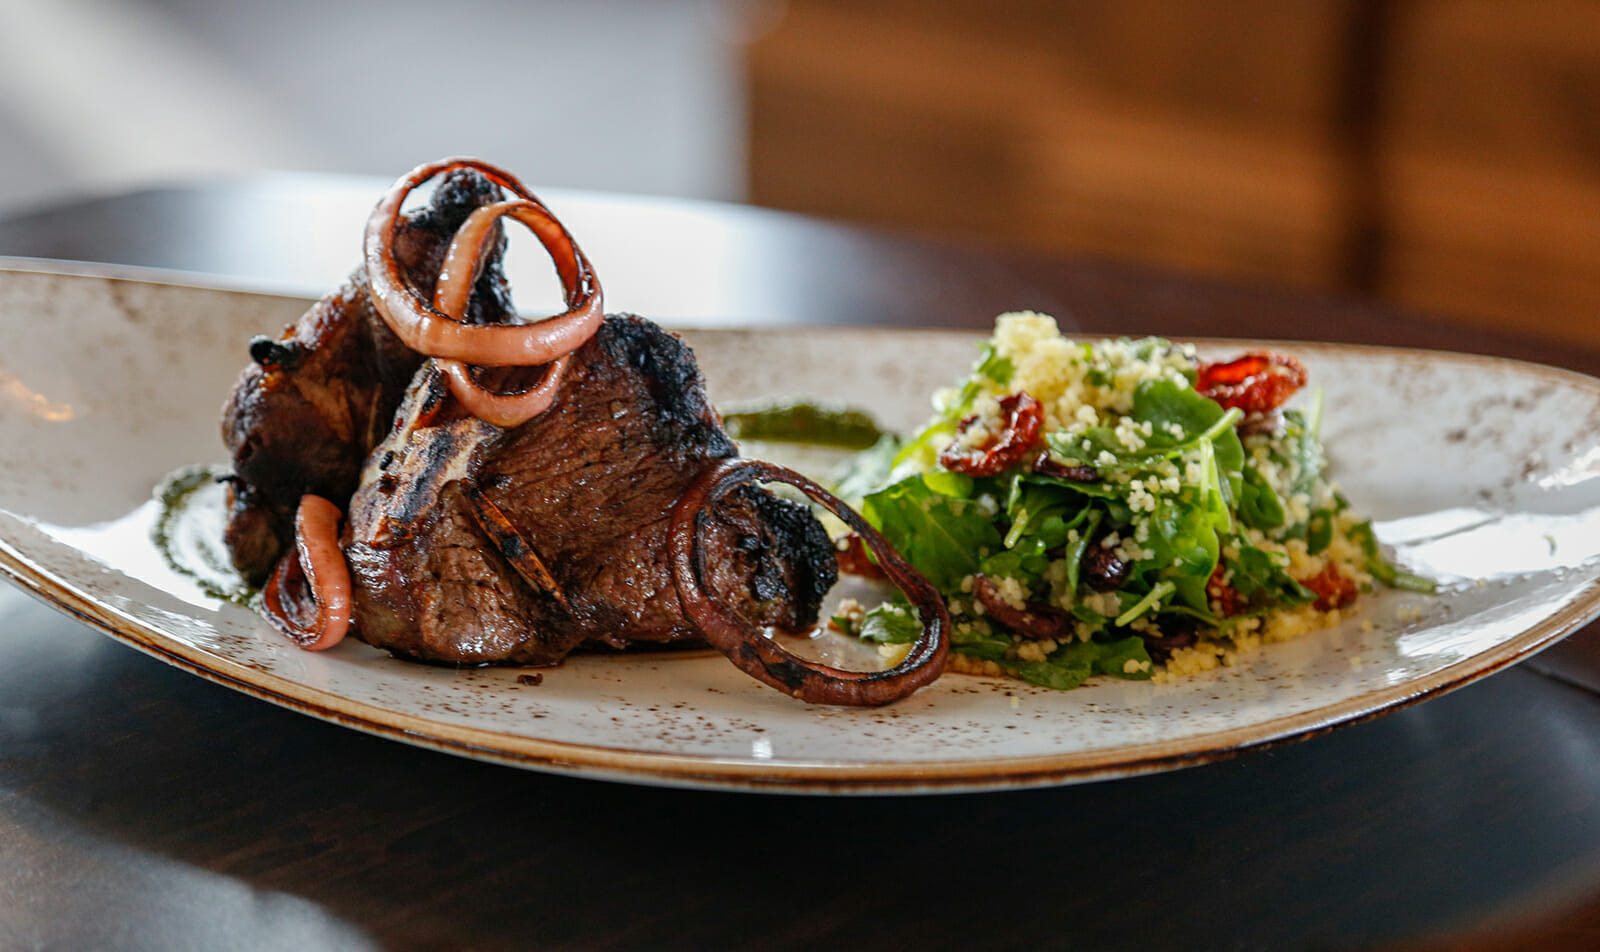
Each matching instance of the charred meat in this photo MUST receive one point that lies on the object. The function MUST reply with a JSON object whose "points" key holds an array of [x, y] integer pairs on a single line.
{"points": [[313, 402], [538, 539], [416, 466]]}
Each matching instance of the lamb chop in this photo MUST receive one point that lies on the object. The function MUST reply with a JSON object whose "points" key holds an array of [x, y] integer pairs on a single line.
{"points": [[517, 491]]}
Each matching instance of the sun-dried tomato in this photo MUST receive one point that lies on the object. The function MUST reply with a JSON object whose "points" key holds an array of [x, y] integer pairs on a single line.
{"points": [[1038, 622], [854, 560], [1003, 449], [1225, 600], [1334, 589], [1255, 383]]}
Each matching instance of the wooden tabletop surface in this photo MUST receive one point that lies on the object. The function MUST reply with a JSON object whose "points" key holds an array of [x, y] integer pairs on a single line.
{"points": [[144, 808]]}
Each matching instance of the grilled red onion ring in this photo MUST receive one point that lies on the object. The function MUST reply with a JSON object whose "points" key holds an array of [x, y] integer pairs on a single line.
{"points": [[436, 329], [315, 570], [760, 656]]}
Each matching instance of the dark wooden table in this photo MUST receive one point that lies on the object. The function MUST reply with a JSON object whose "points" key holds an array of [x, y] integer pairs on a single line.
{"points": [[143, 808]]}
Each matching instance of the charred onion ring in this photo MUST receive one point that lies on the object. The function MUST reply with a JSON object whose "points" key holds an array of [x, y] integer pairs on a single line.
{"points": [[436, 329], [316, 568], [760, 656], [503, 409], [429, 331]]}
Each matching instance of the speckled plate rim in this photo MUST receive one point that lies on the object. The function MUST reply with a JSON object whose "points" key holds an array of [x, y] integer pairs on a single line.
{"points": [[780, 776], [149, 274]]}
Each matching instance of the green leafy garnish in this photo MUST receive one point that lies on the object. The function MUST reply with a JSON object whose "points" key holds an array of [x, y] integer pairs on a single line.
{"points": [[890, 623], [1123, 531], [943, 536], [1381, 568]]}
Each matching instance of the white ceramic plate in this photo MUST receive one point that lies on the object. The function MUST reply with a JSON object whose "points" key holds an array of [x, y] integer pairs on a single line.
{"points": [[1482, 473]]}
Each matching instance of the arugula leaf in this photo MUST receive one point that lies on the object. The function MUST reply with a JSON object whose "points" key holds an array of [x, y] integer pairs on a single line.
{"points": [[1025, 505], [1263, 578], [1030, 556], [1072, 663], [1099, 490], [1064, 674], [1163, 402], [943, 536], [1319, 531], [1182, 537], [993, 366], [1259, 505], [1380, 568], [1097, 446], [1150, 602], [1074, 554], [890, 623], [1026, 564], [975, 643], [1115, 655], [1192, 599], [1180, 421], [1042, 509]]}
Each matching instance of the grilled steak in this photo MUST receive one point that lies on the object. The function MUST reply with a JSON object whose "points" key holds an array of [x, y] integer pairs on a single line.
{"points": [[587, 489], [312, 404], [468, 543]]}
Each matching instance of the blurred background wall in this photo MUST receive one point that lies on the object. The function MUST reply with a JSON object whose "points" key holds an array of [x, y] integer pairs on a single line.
{"points": [[1440, 154], [631, 95], [1443, 154]]}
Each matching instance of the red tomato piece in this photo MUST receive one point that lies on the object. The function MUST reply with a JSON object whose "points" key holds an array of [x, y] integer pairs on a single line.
{"points": [[854, 560], [1225, 600], [1255, 383], [1023, 418], [1334, 589]]}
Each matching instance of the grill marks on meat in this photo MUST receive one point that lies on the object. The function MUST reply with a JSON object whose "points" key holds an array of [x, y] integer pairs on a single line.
{"points": [[589, 486], [304, 414], [468, 543]]}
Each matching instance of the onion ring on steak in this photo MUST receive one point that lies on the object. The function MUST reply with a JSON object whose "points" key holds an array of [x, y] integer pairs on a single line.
{"points": [[761, 657], [504, 409], [316, 569], [436, 328], [308, 595]]}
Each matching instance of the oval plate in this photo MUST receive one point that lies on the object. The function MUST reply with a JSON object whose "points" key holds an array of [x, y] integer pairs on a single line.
{"points": [[1482, 473]]}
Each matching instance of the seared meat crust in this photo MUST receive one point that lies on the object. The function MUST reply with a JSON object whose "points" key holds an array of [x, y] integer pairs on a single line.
{"points": [[339, 407], [312, 403], [589, 486]]}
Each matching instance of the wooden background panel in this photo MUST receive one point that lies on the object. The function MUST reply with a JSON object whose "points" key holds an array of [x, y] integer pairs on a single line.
{"points": [[1498, 77], [1433, 153], [1017, 122], [1491, 163], [1494, 244]]}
